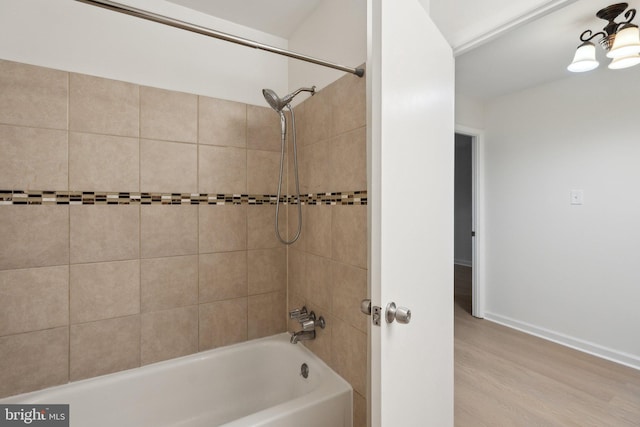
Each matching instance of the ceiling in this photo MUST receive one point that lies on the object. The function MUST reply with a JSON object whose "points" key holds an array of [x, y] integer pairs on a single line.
{"points": [[531, 54], [277, 17]]}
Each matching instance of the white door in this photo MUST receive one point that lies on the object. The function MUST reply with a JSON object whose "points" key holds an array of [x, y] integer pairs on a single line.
{"points": [[410, 78]]}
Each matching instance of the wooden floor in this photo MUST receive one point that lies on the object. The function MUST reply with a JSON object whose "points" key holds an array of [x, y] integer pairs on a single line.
{"points": [[507, 378]]}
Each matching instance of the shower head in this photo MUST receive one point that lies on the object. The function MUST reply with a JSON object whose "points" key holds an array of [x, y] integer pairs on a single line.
{"points": [[274, 101], [278, 104]]}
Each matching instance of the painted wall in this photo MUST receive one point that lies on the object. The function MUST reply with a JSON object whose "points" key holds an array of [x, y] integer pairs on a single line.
{"points": [[336, 31], [71, 36], [470, 112], [567, 272], [463, 201]]}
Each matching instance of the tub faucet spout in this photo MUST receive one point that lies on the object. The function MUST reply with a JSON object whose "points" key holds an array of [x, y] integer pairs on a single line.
{"points": [[308, 322], [302, 336]]}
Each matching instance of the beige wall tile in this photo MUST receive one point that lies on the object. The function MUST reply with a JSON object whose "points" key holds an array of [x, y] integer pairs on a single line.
{"points": [[321, 345], [222, 228], [168, 167], [335, 232], [349, 234], [103, 347], [33, 158], [263, 168], [260, 226], [319, 282], [316, 169], [301, 122], [349, 347], [267, 314], [33, 236], [263, 128], [349, 104], [359, 410], [33, 361], [223, 276], [223, 323], [105, 106], [168, 230], [348, 288], [297, 266], [240, 154], [317, 117], [317, 228], [168, 282], [104, 290], [104, 233], [222, 122], [349, 161], [33, 96], [304, 174], [222, 170], [289, 182], [168, 115], [168, 334], [292, 221], [34, 299], [103, 163], [267, 270]]}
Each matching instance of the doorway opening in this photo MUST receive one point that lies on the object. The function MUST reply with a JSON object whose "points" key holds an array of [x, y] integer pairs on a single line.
{"points": [[463, 223], [468, 284]]}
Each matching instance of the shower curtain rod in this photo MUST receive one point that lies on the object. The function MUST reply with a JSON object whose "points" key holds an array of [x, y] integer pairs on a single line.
{"points": [[150, 16]]}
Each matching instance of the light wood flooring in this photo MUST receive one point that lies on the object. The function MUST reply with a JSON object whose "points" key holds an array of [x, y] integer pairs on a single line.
{"points": [[507, 378]]}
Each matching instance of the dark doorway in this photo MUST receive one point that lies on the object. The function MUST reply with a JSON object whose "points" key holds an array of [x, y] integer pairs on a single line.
{"points": [[463, 222]]}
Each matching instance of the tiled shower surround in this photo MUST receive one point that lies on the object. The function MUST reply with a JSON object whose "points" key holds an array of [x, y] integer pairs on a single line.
{"points": [[327, 266], [137, 225]]}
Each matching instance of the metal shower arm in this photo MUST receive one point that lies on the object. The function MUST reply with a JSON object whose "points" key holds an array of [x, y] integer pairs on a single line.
{"points": [[150, 16], [287, 99]]}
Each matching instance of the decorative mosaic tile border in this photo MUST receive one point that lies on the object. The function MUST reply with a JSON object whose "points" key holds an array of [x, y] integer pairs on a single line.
{"points": [[19, 197]]}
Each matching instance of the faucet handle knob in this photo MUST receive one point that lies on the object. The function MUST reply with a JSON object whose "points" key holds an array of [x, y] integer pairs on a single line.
{"points": [[294, 314], [298, 313], [312, 322], [308, 325]]}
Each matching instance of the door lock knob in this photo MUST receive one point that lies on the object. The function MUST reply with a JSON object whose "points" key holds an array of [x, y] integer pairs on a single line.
{"points": [[401, 314], [365, 306]]}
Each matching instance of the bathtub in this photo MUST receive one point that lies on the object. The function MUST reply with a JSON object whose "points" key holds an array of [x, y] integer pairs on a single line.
{"points": [[256, 383]]}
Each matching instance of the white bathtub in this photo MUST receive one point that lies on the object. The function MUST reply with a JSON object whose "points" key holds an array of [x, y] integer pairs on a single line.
{"points": [[257, 383]]}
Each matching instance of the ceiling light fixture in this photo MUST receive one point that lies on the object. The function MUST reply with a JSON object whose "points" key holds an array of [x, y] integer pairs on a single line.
{"points": [[621, 40]]}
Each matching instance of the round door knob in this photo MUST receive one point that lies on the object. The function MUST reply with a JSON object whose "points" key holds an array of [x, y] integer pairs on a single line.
{"points": [[365, 306], [391, 312], [403, 315]]}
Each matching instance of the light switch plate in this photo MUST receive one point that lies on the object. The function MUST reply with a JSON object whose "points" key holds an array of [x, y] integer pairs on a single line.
{"points": [[577, 197]]}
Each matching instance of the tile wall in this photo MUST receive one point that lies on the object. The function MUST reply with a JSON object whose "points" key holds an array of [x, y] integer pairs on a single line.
{"points": [[327, 266], [127, 273], [137, 226]]}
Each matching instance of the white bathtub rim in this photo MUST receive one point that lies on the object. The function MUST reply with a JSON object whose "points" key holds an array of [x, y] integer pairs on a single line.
{"points": [[30, 397]]}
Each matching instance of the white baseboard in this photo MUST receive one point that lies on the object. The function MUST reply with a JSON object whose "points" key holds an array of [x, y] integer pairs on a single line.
{"points": [[462, 262], [622, 358]]}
